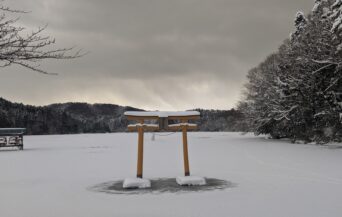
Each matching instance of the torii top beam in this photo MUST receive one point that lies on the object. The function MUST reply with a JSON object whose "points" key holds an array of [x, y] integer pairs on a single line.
{"points": [[155, 115]]}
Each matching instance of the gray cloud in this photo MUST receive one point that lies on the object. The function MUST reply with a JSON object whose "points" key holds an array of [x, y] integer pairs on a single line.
{"points": [[154, 54]]}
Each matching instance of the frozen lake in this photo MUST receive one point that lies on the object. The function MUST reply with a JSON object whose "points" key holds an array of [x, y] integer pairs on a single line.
{"points": [[54, 175]]}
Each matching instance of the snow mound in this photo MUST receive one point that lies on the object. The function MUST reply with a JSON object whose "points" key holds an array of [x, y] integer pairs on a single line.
{"points": [[190, 180], [136, 183]]}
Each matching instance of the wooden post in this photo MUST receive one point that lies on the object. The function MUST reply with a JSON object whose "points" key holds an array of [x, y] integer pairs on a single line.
{"points": [[140, 150], [21, 142], [185, 151]]}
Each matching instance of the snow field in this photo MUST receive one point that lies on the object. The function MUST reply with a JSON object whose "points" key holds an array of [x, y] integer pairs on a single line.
{"points": [[53, 175]]}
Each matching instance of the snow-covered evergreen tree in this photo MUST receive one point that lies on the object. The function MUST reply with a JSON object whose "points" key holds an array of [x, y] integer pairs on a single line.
{"points": [[336, 17], [300, 23], [296, 93]]}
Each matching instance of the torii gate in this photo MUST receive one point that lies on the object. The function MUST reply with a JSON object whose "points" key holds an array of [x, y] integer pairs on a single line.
{"points": [[162, 118]]}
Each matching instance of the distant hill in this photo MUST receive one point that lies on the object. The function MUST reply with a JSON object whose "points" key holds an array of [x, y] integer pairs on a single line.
{"points": [[71, 118]]}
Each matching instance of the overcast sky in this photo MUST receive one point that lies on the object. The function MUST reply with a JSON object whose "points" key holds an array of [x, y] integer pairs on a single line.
{"points": [[151, 54]]}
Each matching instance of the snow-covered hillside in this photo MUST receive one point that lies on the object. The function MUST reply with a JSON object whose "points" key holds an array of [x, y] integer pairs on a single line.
{"points": [[54, 175]]}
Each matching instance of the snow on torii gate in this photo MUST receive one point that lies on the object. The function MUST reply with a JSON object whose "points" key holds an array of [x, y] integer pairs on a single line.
{"points": [[162, 118]]}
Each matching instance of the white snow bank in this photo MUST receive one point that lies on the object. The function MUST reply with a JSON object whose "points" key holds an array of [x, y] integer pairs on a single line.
{"points": [[190, 180], [136, 183], [163, 114]]}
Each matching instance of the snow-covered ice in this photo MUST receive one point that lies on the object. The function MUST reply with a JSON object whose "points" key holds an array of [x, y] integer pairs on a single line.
{"points": [[190, 180], [53, 176], [136, 183]]}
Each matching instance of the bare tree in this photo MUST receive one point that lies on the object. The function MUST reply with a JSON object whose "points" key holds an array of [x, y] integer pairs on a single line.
{"points": [[27, 50]]}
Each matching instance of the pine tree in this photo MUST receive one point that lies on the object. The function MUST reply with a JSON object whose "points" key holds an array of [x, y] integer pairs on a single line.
{"points": [[296, 93]]}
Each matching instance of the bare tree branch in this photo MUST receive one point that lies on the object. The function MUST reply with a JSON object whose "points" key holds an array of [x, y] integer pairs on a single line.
{"points": [[26, 50]]}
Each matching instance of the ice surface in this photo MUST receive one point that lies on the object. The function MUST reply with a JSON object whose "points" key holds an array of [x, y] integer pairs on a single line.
{"points": [[136, 183], [190, 180], [163, 113], [52, 177]]}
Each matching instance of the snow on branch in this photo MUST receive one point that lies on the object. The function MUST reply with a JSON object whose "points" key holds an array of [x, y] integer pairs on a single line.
{"points": [[324, 62], [318, 3], [284, 114], [322, 68]]}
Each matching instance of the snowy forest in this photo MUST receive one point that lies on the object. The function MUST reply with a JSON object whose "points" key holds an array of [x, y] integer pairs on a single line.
{"points": [[69, 118], [296, 92]]}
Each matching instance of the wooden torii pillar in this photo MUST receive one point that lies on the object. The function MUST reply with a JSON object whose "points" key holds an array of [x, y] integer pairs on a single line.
{"points": [[163, 126]]}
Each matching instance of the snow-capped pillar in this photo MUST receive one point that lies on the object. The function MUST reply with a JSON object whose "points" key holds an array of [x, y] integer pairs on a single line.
{"points": [[185, 149], [140, 150]]}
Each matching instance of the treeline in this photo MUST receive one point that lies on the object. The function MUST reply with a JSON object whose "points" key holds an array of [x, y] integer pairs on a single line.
{"points": [[67, 118], [222, 120], [72, 118], [296, 92]]}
